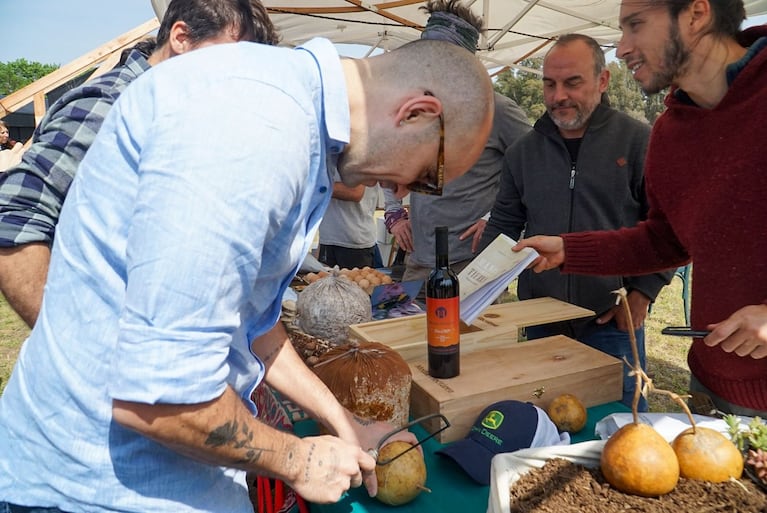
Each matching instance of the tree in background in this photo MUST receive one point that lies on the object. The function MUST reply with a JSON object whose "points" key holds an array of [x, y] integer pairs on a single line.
{"points": [[626, 95], [524, 87], [16, 74]]}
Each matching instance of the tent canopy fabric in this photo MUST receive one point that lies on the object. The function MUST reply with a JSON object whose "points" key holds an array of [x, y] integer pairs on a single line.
{"points": [[515, 29]]}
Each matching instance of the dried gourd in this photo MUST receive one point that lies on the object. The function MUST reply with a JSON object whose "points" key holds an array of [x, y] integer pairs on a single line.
{"points": [[370, 379], [401, 480], [327, 307], [707, 455], [568, 413]]}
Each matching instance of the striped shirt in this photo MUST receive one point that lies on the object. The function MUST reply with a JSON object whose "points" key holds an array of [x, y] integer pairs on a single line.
{"points": [[32, 193]]}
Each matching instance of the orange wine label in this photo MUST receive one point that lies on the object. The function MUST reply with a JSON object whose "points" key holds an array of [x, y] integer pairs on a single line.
{"points": [[443, 321]]}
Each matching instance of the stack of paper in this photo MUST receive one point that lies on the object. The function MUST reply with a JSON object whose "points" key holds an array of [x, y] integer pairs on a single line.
{"points": [[489, 274]]}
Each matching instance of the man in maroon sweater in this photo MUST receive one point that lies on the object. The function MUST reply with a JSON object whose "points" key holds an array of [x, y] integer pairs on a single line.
{"points": [[706, 176]]}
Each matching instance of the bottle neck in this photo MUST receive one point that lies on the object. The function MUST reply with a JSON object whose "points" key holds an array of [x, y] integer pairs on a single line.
{"points": [[440, 245]]}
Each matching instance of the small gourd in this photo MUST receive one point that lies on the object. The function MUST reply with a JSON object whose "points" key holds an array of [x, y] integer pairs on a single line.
{"points": [[636, 459], [707, 455], [400, 481]]}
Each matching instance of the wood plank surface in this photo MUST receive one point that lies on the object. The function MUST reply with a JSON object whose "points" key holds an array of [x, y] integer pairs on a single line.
{"points": [[536, 371], [533, 312]]}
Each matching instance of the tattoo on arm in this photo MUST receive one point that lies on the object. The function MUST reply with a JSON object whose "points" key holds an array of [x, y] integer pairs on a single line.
{"points": [[268, 357], [308, 462], [363, 421], [237, 437]]}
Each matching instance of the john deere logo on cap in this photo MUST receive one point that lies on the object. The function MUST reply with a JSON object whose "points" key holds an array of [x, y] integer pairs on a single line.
{"points": [[493, 419]]}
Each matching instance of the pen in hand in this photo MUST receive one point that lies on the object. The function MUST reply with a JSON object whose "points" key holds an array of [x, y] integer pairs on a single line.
{"points": [[683, 331]]}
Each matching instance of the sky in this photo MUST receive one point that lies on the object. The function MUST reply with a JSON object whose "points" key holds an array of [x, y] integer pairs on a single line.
{"points": [[59, 31]]}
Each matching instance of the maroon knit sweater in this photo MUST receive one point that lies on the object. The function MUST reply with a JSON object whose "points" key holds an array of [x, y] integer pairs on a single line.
{"points": [[706, 176]]}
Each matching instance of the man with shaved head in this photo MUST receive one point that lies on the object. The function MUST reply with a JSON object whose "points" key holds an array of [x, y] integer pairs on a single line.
{"points": [[184, 226]]}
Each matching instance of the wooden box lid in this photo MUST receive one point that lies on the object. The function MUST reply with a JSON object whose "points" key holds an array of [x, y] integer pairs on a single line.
{"points": [[497, 326]]}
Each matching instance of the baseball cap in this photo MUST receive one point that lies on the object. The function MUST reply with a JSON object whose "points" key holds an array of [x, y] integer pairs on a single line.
{"points": [[505, 426]]}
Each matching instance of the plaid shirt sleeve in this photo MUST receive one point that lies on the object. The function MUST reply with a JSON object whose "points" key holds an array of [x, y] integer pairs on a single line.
{"points": [[32, 193]]}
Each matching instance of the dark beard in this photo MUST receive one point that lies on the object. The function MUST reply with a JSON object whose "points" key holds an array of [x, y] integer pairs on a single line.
{"points": [[675, 58]]}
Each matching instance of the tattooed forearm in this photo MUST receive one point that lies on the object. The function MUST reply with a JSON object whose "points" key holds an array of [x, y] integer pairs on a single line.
{"points": [[237, 437], [269, 356], [363, 421], [308, 462]]}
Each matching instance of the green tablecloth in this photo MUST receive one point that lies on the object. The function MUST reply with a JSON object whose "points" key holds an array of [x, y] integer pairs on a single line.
{"points": [[452, 489]]}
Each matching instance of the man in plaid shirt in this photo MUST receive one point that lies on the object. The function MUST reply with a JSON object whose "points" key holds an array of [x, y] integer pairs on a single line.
{"points": [[33, 192]]}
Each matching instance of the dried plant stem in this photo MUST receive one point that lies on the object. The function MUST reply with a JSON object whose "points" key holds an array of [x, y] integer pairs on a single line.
{"points": [[644, 384], [424, 489], [737, 481], [636, 368]]}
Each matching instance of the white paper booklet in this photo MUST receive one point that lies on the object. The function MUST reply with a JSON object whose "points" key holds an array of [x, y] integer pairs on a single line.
{"points": [[489, 274]]}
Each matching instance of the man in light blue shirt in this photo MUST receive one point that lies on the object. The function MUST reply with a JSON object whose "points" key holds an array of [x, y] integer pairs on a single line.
{"points": [[184, 225]]}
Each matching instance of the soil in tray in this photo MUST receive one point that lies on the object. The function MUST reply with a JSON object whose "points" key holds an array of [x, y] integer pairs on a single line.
{"points": [[561, 486]]}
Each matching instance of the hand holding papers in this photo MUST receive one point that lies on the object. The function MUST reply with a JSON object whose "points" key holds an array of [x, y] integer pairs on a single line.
{"points": [[489, 274]]}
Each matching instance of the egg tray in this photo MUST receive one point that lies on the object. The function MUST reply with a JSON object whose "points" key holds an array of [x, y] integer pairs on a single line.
{"points": [[366, 278]]}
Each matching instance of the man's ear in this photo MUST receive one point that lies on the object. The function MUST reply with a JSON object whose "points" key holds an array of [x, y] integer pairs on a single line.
{"points": [[700, 15], [179, 39], [604, 80], [424, 106]]}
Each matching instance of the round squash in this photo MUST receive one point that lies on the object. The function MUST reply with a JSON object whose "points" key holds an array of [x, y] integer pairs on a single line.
{"points": [[636, 459], [401, 480], [567, 412], [707, 455]]}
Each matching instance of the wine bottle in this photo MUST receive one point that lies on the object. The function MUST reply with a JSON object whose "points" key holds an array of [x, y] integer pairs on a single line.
{"points": [[442, 313]]}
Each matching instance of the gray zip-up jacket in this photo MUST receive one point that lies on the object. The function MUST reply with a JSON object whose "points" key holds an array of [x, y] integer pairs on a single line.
{"points": [[543, 193]]}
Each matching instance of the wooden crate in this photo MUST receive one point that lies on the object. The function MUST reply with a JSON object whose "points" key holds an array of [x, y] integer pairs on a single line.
{"points": [[497, 326], [535, 371]]}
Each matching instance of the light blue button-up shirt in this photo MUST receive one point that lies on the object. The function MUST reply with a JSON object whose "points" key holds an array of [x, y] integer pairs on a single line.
{"points": [[185, 223]]}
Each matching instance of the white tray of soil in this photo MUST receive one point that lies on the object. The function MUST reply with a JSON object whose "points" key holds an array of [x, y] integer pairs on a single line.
{"points": [[567, 479]]}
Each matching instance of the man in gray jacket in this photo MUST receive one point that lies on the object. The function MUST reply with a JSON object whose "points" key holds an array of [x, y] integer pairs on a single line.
{"points": [[579, 169], [467, 199]]}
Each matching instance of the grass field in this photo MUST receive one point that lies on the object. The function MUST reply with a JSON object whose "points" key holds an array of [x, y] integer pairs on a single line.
{"points": [[13, 331], [667, 356], [667, 363]]}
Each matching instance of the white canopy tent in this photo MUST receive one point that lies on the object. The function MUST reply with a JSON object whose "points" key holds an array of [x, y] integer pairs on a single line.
{"points": [[516, 29]]}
